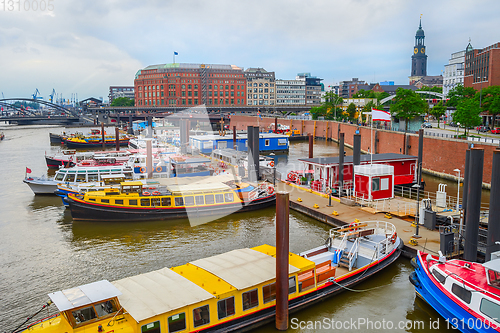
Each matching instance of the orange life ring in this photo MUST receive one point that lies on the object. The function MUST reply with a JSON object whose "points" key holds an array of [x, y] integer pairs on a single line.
{"points": [[270, 190], [156, 193], [292, 176], [394, 237], [142, 169], [146, 193], [158, 168], [272, 164], [353, 225]]}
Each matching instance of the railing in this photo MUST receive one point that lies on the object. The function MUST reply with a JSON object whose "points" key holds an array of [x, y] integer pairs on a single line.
{"points": [[469, 138], [353, 254]]}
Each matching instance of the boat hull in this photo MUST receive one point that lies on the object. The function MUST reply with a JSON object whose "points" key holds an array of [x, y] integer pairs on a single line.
{"points": [[46, 187], [95, 212], [71, 144], [55, 164], [55, 138]]}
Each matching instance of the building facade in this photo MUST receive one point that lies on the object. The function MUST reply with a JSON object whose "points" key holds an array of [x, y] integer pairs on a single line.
{"points": [[187, 85], [482, 66], [120, 91], [349, 88], [260, 87], [290, 92], [419, 58], [453, 74], [314, 88]]}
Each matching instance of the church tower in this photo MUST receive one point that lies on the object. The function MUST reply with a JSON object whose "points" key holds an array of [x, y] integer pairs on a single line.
{"points": [[419, 58]]}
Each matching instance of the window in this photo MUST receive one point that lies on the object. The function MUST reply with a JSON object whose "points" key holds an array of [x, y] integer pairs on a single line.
{"points": [[105, 200], [229, 197], [189, 201], [269, 292], [59, 176], [267, 142], [219, 198], [166, 201], [462, 293], [199, 200], [84, 314], [225, 307], [145, 202], [119, 202], [209, 199], [70, 178], [132, 202], [375, 184], [440, 277], [384, 184], [179, 201], [490, 309], [80, 177], [105, 308], [177, 322], [201, 316], [151, 328], [250, 299], [155, 202], [292, 288]]}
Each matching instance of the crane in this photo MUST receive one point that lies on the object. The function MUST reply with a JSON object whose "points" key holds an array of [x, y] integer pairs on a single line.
{"points": [[35, 95], [52, 95]]}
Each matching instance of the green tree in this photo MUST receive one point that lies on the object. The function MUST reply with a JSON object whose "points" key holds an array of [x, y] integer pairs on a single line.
{"points": [[467, 113], [458, 93], [351, 111], [122, 101], [438, 111], [408, 105], [433, 89], [490, 101], [330, 109], [368, 108]]}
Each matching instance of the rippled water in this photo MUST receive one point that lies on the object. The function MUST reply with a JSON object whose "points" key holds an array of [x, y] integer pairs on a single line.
{"points": [[42, 250]]}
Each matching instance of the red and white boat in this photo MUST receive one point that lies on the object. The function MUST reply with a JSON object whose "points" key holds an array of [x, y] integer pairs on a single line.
{"points": [[71, 157]]}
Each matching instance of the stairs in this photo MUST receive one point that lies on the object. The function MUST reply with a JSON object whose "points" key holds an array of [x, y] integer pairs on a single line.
{"points": [[344, 260]]}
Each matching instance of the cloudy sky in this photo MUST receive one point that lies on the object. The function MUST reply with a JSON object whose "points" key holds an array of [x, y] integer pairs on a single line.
{"points": [[84, 47]]}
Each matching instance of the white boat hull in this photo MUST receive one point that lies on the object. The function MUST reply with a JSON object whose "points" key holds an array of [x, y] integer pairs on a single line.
{"points": [[41, 186]]}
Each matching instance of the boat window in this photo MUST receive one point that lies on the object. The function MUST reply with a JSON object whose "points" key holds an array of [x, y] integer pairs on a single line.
{"points": [[229, 197], [199, 200], [189, 201], [70, 178], [132, 202], [494, 278], [201, 316], [145, 202], [269, 292], [92, 177], [166, 201], [91, 199], [219, 198], [250, 299], [118, 201], [105, 200], [490, 309], [179, 201], [292, 286], [440, 277], [84, 314], [375, 184], [267, 142], [151, 327], [462, 293], [209, 199], [59, 176], [105, 308], [155, 202], [225, 307], [177, 322]]}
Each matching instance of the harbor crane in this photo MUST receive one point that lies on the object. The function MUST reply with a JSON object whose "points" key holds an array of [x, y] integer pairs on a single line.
{"points": [[36, 95], [52, 95]]}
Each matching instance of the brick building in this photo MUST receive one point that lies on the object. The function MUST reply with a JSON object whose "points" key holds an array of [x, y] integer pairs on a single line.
{"points": [[189, 85], [482, 66]]}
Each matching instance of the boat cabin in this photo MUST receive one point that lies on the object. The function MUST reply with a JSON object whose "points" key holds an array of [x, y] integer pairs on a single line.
{"points": [[493, 272], [268, 142], [89, 174], [374, 181]]}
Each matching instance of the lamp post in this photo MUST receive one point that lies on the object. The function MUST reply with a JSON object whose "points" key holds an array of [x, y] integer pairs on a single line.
{"points": [[458, 189], [458, 127], [417, 214]]}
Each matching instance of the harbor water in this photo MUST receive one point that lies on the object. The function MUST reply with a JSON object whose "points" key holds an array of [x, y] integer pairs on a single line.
{"points": [[43, 250]]}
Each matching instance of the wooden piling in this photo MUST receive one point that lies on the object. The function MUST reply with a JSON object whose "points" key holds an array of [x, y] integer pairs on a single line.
{"points": [[117, 138], [282, 250]]}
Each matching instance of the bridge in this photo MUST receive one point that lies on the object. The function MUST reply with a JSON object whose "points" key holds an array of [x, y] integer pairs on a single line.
{"points": [[24, 116], [440, 95]]}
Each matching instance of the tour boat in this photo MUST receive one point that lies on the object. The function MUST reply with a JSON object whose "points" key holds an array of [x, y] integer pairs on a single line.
{"points": [[200, 197], [71, 157], [95, 141], [232, 291], [466, 294]]}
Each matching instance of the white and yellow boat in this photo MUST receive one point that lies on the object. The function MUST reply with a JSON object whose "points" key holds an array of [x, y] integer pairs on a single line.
{"points": [[233, 291]]}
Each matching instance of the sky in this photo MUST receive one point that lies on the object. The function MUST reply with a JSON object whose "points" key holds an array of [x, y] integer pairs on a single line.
{"points": [[80, 48]]}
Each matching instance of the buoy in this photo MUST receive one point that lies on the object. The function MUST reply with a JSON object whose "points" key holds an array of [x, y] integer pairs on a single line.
{"points": [[388, 216], [299, 199], [335, 213], [413, 241], [316, 206], [356, 221], [413, 225]]}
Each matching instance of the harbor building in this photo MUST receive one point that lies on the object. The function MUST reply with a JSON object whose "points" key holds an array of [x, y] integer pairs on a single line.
{"points": [[314, 88], [454, 72], [482, 66], [290, 92], [260, 87], [186, 85]]}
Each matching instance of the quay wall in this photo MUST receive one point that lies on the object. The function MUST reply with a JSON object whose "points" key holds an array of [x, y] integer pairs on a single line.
{"points": [[440, 155]]}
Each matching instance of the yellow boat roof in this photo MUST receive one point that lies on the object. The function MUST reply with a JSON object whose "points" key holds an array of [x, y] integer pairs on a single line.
{"points": [[132, 183], [293, 259]]}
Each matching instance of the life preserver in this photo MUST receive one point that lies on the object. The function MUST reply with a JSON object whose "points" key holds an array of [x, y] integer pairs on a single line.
{"points": [[142, 169], [146, 193], [328, 191], [158, 168], [271, 164], [156, 193], [262, 186], [270, 190], [353, 225], [292, 176], [394, 237]]}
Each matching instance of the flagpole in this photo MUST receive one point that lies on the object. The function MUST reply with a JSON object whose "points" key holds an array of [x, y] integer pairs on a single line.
{"points": [[371, 138]]}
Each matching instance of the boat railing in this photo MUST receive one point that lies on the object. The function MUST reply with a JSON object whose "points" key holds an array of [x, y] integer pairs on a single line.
{"points": [[353, 254]]}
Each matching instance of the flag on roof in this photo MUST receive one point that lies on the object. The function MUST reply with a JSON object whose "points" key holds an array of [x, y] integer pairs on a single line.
{"points": [[379, 115]]}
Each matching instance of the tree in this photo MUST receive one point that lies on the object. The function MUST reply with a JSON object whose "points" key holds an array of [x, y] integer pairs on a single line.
{"points": [[458, 93], [433, 89], [330, 109], [438, 111], [351, 111], [467, 113], [408, 105], [490, 101], [368, 107], [122, 101]]}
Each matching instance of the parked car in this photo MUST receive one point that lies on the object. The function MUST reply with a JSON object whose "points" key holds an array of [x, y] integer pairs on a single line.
{"points": [[483, 128], [496, 130], [453, 124], [426, 125]]}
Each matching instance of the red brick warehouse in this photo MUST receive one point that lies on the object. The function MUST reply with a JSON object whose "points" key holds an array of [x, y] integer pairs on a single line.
{"points": [[187, 85]]}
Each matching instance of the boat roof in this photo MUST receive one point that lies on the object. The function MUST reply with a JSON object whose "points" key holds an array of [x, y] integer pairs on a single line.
{"points": [[154, 293], [494, 265], [84, 295], [242, 268], [363, 158], [199, 187], [192, 160]]}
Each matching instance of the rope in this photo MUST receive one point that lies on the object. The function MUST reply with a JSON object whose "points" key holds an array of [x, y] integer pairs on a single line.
{"points": [[31, 317]]}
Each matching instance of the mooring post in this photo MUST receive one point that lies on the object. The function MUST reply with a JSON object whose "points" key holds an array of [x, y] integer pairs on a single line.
{"points": [[494, 215], [234, 138], [103, 137], [149, 158], [282, 250], [276, 125], [466, 185], [341, 164], [130, 125], [311, 146], [117, 138], [473, 203], [356, 153]]}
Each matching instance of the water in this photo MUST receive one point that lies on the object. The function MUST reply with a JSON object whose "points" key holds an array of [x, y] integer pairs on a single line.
{"points": [[43, 251]]}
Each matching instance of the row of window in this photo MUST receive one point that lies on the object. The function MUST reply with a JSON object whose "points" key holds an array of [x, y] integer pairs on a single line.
{"points": [[221, 101], [261, 84], [198, 200], [225, 308], [81, 177], [260, 90]]}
